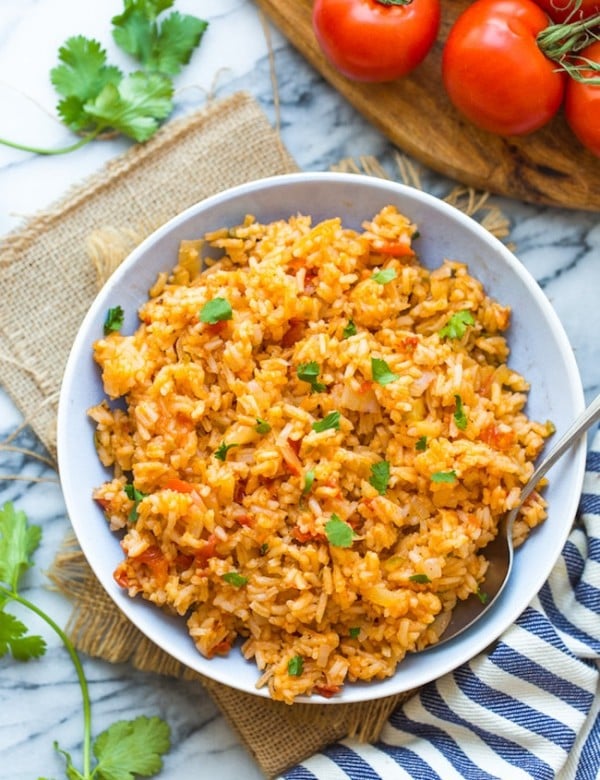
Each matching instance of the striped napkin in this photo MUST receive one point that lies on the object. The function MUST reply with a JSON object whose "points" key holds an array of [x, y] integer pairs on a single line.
{"points": [[530, 708]]}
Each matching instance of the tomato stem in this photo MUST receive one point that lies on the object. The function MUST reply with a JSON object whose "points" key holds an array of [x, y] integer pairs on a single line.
{"points": [[561, 42]]}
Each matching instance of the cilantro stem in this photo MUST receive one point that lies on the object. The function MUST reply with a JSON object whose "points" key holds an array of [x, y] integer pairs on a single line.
{"points": [[70, 648], [64, 150]]}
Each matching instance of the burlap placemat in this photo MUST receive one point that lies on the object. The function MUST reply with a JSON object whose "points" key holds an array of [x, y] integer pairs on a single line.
{"points": [[48, 279]]}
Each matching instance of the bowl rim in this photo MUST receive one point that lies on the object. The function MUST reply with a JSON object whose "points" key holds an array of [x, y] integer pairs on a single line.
{"points": [[475, 639]]}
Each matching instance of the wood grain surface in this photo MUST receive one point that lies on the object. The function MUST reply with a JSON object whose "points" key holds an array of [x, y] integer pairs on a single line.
{"points": [[547, 167]]}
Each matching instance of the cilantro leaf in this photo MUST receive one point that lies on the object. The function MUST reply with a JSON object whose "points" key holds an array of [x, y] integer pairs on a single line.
{"points": [[134, 106], [354, 632], [308, 372], [330, 421], [381, 372], [130, 748], [349, 330], [18, 542], [216, 310], [443, 476], [114, 320], [421, 444], [221, 452], [309, 478], [262, 426], [380, 476], [296, 666], [163, 47], [339, 533], [457, 325], [13, 639], [460, 418], [384, 276], [420, 578], [234, 578], [135, 495], [81, 76]]}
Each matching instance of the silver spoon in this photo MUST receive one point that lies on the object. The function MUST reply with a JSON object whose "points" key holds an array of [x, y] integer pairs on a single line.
{"points": [[499, 551]]}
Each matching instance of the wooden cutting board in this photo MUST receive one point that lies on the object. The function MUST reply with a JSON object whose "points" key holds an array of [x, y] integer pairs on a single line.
{"points": [[548, 167]]}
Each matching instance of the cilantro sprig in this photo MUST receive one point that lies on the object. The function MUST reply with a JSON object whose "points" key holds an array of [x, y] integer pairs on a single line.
{"points": [[338, 532], [309, 372], [457, 325], [96, 97], [380, 476], [126, 748]]}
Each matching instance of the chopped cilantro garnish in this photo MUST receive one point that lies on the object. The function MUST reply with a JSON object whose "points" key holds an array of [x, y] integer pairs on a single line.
{"points": [[221, 452], [262, 426], [420, 578], [460, 418], [349, 330], [443, 476], [380, 476], [114, 320], [135, 495], [331, 421], [384, 276], [308, 372], [234, 578], [263, 549], [296, 666], [354, 632], [421, 444], [381, 372], [456, 327], [216, 310], [339, 533], [309, 478], [482, 596]]}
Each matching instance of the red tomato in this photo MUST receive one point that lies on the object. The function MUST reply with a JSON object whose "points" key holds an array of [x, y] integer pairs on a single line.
{"points": [[376, 40], [495, 73], [560, 10], [582, 104]]}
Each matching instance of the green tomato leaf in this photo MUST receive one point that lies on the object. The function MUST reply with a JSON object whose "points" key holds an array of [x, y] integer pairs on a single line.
{"points": [[381, 372], [130, 748], [18, 542], [135, 106], [339, 533], [380, 476]]}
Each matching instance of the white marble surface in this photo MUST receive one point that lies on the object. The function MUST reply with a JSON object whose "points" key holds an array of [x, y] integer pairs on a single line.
{"points": [[40, 701]]}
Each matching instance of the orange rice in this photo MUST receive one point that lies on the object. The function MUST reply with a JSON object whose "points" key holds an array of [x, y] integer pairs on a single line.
{"points": [[314, 461]]}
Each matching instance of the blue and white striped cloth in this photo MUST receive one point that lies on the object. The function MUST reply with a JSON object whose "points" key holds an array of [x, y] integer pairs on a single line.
{"points": [[528, 709]]}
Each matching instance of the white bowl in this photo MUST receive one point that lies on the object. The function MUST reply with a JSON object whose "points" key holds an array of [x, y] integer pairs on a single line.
{"points": [[539, 349]]}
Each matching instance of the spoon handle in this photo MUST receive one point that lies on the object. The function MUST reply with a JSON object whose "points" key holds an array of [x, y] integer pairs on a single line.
{"points": [[585, 420]]}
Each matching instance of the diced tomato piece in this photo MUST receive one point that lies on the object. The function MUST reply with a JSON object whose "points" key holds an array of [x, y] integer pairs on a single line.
{"points": [[208, 551], [409, 343], [120, 576], [179, 485], [222, 648], [396, 249], [293, 333], [327, 690], [499, 440], [154, 558], [245, 520]]}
